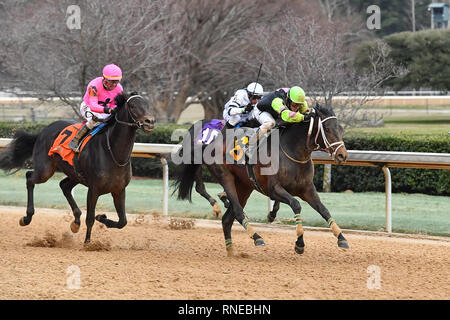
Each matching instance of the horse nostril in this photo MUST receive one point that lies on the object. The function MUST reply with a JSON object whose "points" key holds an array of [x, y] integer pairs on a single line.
{"points": [[341, 157], [149, 121]]}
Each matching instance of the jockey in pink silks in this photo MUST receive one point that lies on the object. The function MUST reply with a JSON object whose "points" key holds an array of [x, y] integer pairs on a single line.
{"points": [[98, 101]]}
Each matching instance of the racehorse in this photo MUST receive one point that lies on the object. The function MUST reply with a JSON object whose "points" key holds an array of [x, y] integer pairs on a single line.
{"points": [[294, 178], [103, 165]]}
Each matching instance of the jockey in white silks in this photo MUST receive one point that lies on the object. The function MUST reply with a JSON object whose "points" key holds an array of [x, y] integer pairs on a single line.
{"points": [[240, 106]]}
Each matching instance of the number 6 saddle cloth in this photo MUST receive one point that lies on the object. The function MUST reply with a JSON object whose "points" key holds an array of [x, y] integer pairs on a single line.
{"points": [[60, 146]]}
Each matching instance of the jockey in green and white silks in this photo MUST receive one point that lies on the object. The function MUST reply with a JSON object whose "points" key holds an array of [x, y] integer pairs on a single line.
{"points": [[289, 104], [240, 106]]}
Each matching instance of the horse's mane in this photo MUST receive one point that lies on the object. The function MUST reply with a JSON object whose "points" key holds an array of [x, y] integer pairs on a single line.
{"points": [[120, 100], [324, 110]]}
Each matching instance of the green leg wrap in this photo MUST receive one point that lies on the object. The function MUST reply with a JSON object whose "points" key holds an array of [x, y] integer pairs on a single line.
{"points": [[228, 244]]}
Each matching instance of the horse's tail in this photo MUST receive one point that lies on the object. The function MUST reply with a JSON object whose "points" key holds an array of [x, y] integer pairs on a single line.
{"points": [[18, 151], [185, 181]]}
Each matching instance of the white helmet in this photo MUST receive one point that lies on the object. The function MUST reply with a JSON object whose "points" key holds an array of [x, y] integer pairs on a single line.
{"points": [[255, 89]]}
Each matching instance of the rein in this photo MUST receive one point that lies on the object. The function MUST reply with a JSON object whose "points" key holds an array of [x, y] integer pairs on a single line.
{"points": [[135, 124], [329, 147]]}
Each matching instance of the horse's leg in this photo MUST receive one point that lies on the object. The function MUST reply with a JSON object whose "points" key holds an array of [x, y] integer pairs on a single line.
{"points": [[227, 180], [227, 223], [273, 214], [278, 193], [312, 198], [228, 218], [42, 172], [243, 194], [200, 188], [92, 198], [223, 197], [66, 186], [119, 203]]}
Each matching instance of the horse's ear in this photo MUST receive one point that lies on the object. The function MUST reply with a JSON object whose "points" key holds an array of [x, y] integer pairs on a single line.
{"points": [[134, 93], [120, 100]]}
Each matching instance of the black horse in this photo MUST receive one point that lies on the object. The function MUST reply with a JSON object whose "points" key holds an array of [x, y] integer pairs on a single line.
{"points": [[294, 177], [103, 165]]}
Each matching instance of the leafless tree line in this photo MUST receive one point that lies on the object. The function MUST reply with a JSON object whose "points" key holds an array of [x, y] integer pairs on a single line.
{"points": [[175, 49]]}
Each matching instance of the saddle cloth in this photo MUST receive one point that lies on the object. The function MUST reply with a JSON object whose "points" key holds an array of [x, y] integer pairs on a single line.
{"points": [[210, 130], [60, 145]]}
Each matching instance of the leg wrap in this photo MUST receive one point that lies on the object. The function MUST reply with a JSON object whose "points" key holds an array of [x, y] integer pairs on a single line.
{"points": [[229, 247], [299, 225], [228, 244], [248, 228], [334, 227]]}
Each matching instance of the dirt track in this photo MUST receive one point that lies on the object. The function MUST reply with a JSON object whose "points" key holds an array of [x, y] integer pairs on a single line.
{"points": [[149, 260]]}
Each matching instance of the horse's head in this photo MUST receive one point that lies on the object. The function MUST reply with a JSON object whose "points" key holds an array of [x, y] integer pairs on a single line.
{"points": [[134, 110], [329, 133]]}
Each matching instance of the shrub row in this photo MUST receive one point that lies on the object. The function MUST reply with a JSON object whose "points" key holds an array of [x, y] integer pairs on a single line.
{"points": [[426, 55], [358, 179]]}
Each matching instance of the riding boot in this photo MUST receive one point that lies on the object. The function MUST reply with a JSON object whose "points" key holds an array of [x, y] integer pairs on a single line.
{"points": [[75, 143], [252, 146], [228, 125]]}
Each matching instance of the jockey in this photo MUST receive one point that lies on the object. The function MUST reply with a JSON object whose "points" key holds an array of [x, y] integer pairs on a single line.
{"points": [[239, 108], [98, 101], [289, 104]]}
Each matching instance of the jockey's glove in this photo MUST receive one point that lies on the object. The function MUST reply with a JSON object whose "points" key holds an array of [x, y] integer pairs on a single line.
{"points": [[248, 108], [308, 116], [106, 110]]}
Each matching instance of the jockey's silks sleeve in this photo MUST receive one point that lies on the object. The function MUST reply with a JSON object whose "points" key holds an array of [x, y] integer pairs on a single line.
{"points": [[286, 114]]}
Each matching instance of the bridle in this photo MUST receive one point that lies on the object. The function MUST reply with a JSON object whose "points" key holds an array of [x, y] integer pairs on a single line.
{"points": [[331, 148], [135, 123]]}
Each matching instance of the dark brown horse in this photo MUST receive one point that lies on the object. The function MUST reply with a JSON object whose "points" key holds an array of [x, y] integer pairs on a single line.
{"points": [[294, 177], [103, 165]]}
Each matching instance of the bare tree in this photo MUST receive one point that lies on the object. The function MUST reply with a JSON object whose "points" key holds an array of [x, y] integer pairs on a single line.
{"points": [[210, 50], [53, 60], [317, 57]]}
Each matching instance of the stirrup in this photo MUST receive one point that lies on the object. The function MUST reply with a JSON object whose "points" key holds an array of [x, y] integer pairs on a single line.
{"points": [[74, 146]]}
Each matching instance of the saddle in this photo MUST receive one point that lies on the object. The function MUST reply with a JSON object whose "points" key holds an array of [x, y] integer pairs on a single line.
{"points": [[60, 145]]}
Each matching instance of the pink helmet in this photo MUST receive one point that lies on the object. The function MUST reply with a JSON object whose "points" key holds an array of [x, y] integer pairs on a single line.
{"points": [[112, 72]]}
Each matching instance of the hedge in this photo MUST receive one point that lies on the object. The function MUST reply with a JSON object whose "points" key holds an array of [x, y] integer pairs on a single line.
{"points": [[426, 55], [357, 179]]}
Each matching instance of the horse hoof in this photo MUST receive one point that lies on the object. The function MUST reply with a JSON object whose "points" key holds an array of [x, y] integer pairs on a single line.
{"points": [[343, 244], [260, 242], [23, 222], [100, 217], [74, 227], [270, 219], [299, 249]]}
